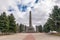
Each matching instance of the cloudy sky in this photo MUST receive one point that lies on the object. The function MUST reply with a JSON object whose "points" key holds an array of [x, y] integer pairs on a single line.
{"points": [[20, 8]]}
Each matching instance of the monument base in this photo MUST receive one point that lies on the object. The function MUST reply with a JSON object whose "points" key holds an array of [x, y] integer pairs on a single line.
{"points": [[30, 30]]}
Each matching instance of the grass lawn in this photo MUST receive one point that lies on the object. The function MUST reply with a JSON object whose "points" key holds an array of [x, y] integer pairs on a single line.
{"points": [[57, 34]]}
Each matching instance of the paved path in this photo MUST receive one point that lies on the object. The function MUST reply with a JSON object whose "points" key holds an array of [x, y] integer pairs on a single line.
{"points": [[29, 36], [43, 36]]}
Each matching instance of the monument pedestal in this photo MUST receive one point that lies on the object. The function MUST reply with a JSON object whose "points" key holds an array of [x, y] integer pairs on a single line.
{"points": [[31, 30]]}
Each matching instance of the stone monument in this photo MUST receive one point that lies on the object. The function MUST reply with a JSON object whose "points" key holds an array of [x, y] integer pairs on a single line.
{"points": [[30, 29]]}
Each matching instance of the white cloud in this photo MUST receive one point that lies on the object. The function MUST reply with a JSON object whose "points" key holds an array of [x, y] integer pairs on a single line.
{"points": [[40, 12]]}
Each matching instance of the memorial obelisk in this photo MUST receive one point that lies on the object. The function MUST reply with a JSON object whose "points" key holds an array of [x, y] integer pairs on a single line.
{"points": [[30, 20], [30, 29]]}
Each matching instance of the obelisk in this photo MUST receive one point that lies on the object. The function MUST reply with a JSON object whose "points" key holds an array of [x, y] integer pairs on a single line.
{"points": [[30, 29], [30, 20]]}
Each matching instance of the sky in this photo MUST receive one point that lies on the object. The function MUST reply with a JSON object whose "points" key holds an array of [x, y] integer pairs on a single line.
{"points": [[20, 8]]}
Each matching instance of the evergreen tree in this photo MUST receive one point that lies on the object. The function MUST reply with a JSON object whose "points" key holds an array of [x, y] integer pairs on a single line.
{"points": [[17, 27], [58, 21], [21, 27], [4, 23], [40, 28], [46, 28], [55, 16], [53, 22], [12, 23]]}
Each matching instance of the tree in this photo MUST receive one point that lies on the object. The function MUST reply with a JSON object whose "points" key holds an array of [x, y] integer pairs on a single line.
{"points": [[12, 23], [56, 17], [4, 23], [58, 21], [40, 28], [21, 27], [46, 28], [17, 27], [53, 22]]}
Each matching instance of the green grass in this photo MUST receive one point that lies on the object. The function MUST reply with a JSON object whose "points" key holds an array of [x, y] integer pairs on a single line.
{"points": [[57, 34]]}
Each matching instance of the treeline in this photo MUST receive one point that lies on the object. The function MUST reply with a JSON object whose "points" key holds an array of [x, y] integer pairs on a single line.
{"points": [[22, 28], [7, 23], [53, 22], [39, 28]]}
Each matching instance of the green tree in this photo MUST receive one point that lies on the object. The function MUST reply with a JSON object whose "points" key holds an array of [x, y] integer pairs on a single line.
{"points": [[55, 16], [12, 23], [4, 23], [46, 28], [21, 27], [58, 21], [53, 22], [17, 27], [40, 28]]}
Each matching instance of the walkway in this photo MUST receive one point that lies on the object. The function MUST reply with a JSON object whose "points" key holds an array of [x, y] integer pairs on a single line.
{"points": [[29, 36]]}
